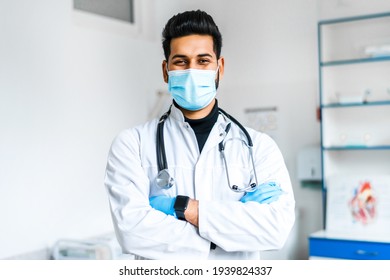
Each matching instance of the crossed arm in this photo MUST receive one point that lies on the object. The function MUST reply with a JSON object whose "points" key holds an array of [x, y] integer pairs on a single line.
{"points": [[264, 194]]}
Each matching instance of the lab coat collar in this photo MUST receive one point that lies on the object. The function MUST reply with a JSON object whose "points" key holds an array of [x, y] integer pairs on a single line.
{"points": [[176, 114], [222, 121], [217, 133]]}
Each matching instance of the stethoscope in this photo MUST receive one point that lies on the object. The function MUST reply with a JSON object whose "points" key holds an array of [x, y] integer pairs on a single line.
{"points": [[165, 181]]}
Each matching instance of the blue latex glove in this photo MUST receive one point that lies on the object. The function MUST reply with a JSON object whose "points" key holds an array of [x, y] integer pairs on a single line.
{"points": [[264, 193], [163, 203]]}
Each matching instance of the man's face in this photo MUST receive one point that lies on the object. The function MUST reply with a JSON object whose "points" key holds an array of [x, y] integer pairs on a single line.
{"points": [[193, 51]]}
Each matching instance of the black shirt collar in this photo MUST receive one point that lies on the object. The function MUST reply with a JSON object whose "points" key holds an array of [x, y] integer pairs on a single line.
{"points": [[205, 124]]}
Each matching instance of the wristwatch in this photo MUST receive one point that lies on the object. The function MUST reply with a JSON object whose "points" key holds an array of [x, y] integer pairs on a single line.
{"points": [[180, 206]]}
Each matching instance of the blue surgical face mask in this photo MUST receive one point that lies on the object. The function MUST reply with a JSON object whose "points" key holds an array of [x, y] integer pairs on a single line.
{"points": [[192, 89]]}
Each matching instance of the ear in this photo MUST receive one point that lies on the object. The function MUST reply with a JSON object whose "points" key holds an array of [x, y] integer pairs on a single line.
{"points": [[221, 64], [165, 71]]}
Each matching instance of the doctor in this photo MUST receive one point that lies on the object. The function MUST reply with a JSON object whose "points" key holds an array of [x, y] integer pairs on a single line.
{"points": [[190, 185]]}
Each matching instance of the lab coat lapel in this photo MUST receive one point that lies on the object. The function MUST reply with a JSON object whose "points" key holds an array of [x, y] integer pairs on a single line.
{"points": [[217, 134]]}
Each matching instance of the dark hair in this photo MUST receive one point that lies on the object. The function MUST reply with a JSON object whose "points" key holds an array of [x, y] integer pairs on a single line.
{"points": [[189, 23]]}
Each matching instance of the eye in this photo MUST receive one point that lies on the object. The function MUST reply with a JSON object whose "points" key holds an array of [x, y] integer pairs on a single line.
{"points": [[204, 61], [180, 62]]}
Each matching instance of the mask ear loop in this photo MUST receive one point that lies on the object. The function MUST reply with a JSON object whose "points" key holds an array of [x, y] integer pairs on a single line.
{"points": [[166, 67], [217, 81]]}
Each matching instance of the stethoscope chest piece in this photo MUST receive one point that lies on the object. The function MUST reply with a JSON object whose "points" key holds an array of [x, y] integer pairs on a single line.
{"points": [[164, 180]]}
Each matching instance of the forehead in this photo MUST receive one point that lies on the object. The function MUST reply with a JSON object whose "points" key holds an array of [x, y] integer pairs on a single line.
{"points": [[192, 45]]}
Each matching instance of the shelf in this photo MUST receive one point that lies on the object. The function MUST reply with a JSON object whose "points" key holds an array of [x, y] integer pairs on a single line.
{"points": [[353, 18], [356, 147], [357, 104], [355, 61]]}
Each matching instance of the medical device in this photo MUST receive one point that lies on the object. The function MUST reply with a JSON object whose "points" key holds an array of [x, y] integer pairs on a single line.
{"points": [[165, 180], [104, 247]]}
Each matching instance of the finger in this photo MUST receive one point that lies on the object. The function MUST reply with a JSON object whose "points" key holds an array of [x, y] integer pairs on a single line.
{"points": [[274, 184], [268, 189], [270, 200], [267, 195]]}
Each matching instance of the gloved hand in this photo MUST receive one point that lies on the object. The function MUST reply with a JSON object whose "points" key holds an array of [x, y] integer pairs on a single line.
{"points": [[264, 193], [163, 203]]}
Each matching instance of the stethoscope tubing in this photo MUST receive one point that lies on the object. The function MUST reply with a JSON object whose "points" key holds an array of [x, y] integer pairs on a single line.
{"points": [[162, 159], [161, 155]]}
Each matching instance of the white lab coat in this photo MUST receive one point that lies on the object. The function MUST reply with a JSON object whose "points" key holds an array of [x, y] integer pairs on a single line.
{"points": [[240, 230]]}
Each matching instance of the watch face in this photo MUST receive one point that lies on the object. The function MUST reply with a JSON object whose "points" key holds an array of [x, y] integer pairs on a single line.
{"points": [[181, 202]]}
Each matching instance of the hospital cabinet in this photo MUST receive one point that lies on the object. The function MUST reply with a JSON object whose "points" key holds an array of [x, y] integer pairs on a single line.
{"points": [[354, 101], [339, 247]]}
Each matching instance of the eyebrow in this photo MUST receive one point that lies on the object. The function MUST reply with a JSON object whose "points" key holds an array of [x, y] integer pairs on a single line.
{"points": [[204, 54], [184, 56], [179, 56]]}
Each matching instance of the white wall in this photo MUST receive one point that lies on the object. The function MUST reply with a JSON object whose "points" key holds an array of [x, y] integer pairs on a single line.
{"points": [[65, 91], [328, 9]]}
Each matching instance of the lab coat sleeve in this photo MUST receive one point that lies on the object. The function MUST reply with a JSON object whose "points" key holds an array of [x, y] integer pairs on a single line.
{"points": [[140, 229], [251, 226]]}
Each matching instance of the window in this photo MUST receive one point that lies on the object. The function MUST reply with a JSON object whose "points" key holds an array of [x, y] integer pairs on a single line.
{"points": [[122, 17], [117, 9]]}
